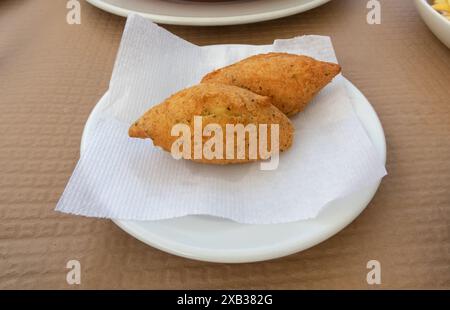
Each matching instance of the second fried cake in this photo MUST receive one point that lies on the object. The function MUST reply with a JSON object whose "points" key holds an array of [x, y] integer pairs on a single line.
{"points": [[217, 104], [291, 81]]}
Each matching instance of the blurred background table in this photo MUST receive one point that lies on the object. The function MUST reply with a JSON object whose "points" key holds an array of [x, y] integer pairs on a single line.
{"points": [[52, 74]]}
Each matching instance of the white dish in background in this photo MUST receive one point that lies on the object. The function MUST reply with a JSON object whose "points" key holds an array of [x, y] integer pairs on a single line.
{"points": [[219, 240], [183, 12], [437, 23]]}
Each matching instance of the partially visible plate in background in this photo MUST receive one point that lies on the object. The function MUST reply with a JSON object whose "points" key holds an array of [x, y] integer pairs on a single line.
{"points": [[437, 23], [195, 13]]}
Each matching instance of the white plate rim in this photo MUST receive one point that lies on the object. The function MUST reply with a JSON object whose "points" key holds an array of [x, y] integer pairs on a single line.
{"points": [[209, 21], [435, 21], [262, 253], [427, 6]]}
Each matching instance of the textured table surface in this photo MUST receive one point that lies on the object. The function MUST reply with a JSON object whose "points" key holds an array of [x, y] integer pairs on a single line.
{"points": [[52, 74]]}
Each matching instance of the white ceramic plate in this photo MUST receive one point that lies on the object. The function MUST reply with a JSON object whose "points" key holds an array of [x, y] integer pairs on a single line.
{"points": [[218, 240], [183, 12], [437, 23]]}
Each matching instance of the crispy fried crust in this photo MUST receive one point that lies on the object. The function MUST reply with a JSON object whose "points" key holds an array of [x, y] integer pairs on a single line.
{"points": [[216, 103], [291, 81]]}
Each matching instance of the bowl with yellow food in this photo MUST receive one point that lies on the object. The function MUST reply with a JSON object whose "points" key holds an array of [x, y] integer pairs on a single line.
{"points": [[436, 14]]}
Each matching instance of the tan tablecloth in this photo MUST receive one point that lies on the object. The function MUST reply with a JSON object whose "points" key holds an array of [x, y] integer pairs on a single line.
{"points": [[52, 74]]}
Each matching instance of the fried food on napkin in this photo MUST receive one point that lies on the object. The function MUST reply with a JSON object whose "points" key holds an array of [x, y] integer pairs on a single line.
{"points": [[291, 81], [217, 104]]}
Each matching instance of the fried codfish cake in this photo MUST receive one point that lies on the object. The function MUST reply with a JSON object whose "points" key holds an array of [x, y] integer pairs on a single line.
{"points": [[290, 80], [216, 104]]}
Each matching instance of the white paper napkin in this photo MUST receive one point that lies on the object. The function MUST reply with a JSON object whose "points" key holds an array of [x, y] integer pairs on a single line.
{"points": [[123, 178]]}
